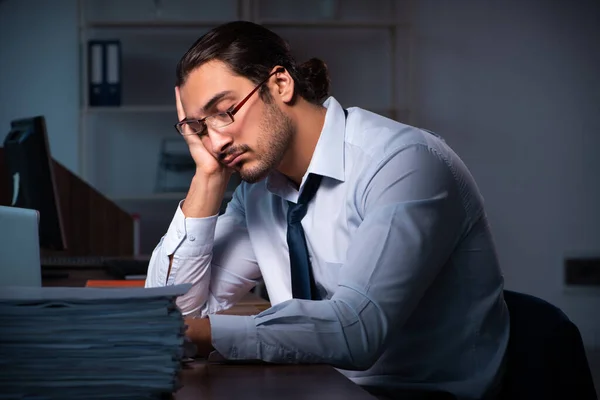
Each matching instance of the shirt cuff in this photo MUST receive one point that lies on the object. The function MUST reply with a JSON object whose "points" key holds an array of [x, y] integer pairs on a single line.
{"points": [[190, 237], [234, 336]]}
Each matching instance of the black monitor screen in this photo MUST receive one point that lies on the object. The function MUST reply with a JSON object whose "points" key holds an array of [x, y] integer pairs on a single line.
{"points": [[32, 178]]}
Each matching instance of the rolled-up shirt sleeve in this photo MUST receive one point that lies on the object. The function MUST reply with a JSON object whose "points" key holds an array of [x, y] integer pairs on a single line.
{"points": [[412, 217], [214, 254]]}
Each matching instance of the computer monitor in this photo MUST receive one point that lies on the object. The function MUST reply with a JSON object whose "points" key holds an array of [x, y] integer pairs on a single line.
{"points": [[30, 166]]}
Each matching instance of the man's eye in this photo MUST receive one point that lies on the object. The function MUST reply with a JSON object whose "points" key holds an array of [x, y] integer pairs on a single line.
{"points": [[196, 126]]}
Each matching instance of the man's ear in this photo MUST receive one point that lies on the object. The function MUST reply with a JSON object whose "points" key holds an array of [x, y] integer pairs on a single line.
{"points": [[284, 85]]}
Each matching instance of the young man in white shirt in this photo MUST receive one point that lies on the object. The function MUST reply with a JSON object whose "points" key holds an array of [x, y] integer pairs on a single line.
{"points": [[387, 272]]}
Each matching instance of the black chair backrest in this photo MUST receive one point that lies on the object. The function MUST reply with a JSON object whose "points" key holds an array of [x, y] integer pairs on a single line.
{"points": [[545, 356]]}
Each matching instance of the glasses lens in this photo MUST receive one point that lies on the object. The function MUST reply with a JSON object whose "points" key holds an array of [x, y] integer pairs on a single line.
{"points": [[219, 120], [192, 128]]}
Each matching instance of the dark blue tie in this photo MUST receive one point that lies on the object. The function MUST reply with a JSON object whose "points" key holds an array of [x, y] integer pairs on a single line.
{"points": [[303, 283]]}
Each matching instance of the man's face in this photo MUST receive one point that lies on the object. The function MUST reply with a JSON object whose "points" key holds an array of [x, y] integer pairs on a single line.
{"points": [[261, 132]]}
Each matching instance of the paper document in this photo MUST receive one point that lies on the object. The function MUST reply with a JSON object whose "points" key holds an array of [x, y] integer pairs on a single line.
{"points": [[90, 343]]}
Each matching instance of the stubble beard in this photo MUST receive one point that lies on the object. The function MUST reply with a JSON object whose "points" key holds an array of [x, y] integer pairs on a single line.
{"points": [[277, 133]]}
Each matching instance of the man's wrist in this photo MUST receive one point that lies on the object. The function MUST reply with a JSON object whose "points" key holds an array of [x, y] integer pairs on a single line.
{"points": [[198, 331], [205, 196]]}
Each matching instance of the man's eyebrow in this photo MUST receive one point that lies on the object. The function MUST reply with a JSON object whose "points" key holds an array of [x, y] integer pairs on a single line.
{"points": [[214, 100]]}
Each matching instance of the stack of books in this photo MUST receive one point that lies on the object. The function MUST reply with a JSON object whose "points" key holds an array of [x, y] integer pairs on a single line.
{"points": [[90, 343]]}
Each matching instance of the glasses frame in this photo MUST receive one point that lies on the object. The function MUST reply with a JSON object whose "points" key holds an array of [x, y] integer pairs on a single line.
{"points": [[179, 126]]}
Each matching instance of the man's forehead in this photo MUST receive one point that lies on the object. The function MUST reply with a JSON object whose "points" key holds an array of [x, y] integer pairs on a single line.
{"points": [[211, 81], [211, 77]]}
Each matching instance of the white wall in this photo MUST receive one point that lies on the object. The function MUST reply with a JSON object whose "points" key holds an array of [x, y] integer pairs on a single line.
{"points": [[514, 87], [39, 70]]}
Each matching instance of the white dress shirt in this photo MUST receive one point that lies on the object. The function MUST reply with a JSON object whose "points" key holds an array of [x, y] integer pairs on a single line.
{"points": [[401, 253]]}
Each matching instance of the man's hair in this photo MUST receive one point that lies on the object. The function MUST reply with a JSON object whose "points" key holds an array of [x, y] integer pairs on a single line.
{"points": [[251, 51]]}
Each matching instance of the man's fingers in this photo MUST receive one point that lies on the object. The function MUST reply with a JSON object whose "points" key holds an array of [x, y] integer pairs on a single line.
{"points": [[190, 139], [193, 140], [180, 112]]}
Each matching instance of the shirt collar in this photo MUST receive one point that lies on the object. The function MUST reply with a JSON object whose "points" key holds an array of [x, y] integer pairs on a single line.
{"points": [[327, 159]]}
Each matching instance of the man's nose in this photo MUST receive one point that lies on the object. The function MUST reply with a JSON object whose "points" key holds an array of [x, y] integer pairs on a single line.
{"points": [[219, 141]]}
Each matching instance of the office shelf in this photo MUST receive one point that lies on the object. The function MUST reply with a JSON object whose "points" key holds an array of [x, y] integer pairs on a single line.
{"points": [[332, 24], [131, 109], [119, 147], [158, 196], [158, 24], [150, 197]]}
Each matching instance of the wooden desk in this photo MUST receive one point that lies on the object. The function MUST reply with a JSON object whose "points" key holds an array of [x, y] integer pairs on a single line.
{"points": [[265, 382]]}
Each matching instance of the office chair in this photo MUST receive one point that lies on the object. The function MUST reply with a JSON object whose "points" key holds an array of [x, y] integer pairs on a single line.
{"points": [[545, 356]]}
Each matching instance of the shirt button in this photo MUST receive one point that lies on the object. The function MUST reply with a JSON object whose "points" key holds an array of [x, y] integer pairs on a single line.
{"points": [[179, 234], [192, 238]]}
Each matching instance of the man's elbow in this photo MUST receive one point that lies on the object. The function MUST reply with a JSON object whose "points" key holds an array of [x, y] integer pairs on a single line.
{"points": [[365, 347], [364, 333], [361, 358], [357, 360]]}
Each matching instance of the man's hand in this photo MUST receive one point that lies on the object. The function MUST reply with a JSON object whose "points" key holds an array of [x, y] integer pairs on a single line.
{"points": [[206, 163], [210, 181], [198, 332]]}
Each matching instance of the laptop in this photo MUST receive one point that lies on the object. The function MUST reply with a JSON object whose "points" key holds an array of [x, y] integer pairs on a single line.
{"points": [[19, 247]]}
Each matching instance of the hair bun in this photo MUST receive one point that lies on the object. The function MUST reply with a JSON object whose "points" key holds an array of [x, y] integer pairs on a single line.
{"points": [[316, 81]]}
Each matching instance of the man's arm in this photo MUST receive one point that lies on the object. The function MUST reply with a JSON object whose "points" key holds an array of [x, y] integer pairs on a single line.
{"points": [[203, 200], [198, 331], [412, 219], [214, 254]]}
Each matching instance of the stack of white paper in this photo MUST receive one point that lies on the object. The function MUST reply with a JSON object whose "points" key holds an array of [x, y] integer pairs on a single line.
{"points": [[88, 343]]}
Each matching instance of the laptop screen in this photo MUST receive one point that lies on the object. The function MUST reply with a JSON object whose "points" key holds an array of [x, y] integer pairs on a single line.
{"points": [[19, 247]]}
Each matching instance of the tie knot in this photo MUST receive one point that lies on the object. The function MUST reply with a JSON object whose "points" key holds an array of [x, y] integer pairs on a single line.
{"points": [[297, 211], [310, 188]]}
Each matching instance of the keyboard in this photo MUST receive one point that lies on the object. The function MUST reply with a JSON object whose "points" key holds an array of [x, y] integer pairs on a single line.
{"points": [[73, 261], [119, 267]]}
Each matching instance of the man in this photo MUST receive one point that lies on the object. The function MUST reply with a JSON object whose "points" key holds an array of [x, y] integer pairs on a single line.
{"points": [[391, 275]]}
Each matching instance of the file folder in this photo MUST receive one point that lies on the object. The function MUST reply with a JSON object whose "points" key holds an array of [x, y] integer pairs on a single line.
{"points": [[95, 73], [113, 73], [104, 72]]}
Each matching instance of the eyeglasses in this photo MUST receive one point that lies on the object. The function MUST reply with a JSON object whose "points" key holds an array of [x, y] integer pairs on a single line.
{"points": [[219, 120]]}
